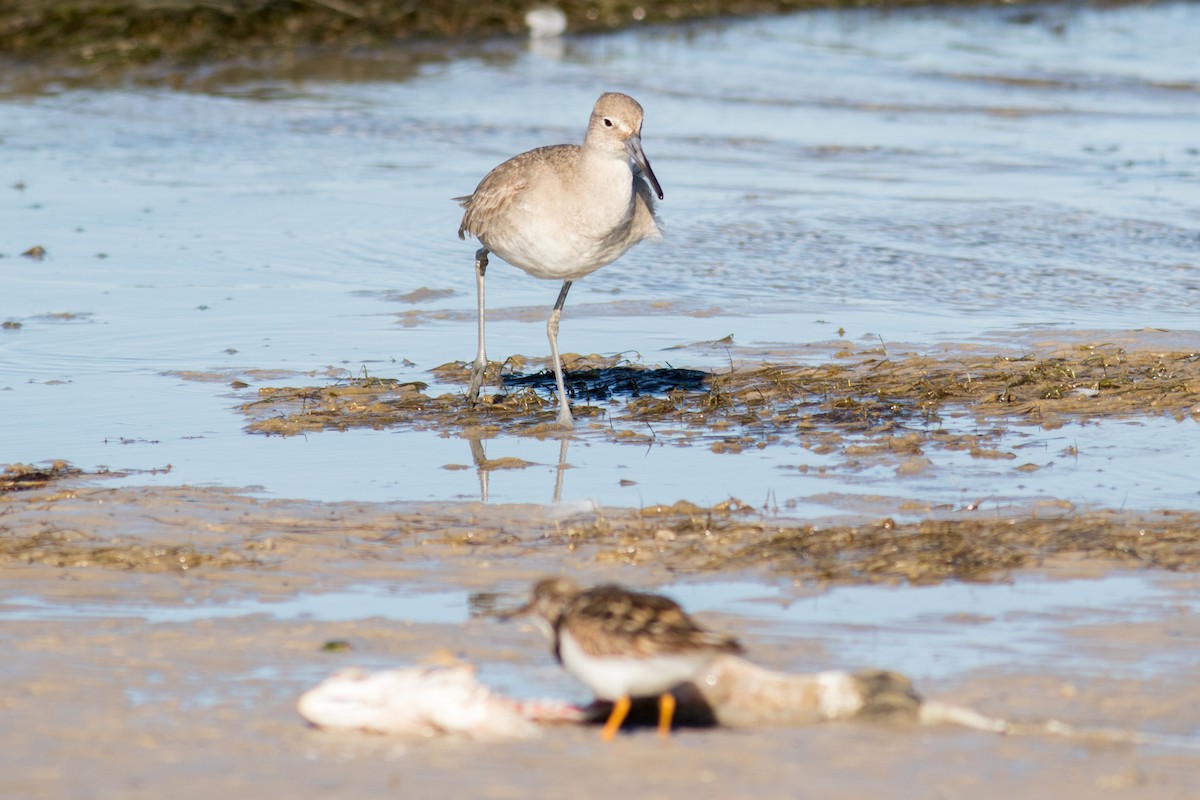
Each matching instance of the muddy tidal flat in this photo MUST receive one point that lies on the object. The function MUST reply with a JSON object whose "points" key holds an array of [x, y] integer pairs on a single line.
{"points": [[913, 383]]}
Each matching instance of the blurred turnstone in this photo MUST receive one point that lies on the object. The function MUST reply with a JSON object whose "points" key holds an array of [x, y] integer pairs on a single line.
{"points": [[624, 644]]}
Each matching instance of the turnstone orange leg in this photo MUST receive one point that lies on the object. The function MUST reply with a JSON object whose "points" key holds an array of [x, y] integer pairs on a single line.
{"points": [[666, 712], [619, 712]]}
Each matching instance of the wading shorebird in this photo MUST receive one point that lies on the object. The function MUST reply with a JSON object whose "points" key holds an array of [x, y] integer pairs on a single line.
{"points": [[563, 212], [624, 644]]}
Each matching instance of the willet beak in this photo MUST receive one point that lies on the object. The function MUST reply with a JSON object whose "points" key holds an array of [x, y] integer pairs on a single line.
{"points": [[633, 146]]}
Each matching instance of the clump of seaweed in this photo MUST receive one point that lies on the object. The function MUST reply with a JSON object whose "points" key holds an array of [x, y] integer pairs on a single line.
{"points": [[378, 404], [880, 399], [71, 549], [929, 551]]}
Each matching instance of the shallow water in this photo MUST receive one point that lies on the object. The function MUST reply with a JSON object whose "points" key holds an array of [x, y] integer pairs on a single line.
{"points": [[926, 632], [987, 176]]}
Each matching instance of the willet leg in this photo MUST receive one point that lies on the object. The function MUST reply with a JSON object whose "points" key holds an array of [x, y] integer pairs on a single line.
{"points": [[562, 467], [480, 458], [564, 410], [481, 263]]}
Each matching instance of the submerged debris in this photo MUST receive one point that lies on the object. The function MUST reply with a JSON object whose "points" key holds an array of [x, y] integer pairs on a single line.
{"points": [[23, 477]]}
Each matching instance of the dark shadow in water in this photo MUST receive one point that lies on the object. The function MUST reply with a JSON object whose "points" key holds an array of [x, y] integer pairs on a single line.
{"points": [[693, 711], [608, 382], [603, 383]]}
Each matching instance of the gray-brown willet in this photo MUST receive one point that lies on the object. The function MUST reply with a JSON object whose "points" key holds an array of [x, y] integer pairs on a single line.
{"points": [[563, 212]]}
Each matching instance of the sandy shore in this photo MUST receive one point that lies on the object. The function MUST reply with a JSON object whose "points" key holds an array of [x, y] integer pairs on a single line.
{"points": [[132, 689]]}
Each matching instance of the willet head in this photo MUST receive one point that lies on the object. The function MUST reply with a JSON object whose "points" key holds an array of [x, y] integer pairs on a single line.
{"points": [[616, 125]]}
